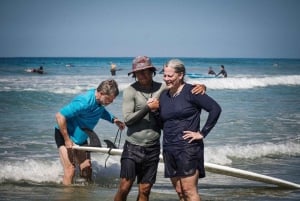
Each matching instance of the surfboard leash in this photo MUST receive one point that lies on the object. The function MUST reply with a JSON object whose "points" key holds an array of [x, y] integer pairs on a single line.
{"points": [[113, 146]]}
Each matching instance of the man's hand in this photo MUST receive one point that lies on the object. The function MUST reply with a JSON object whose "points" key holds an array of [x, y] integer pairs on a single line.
{"points": [[68, 143], [153, 104], [199, 89], [119, 123]]}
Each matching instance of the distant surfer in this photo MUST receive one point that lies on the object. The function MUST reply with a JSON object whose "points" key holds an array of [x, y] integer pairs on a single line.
{"points": [[113, 69], [222, 72], [39, 70], [211, 71]]}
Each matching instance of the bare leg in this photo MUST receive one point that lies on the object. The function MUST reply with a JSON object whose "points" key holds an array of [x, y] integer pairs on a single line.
{"points": [[177, 186], [124, 188], [69, 169], [144, 192], [85, 163], [83, 158], [187, 187]]}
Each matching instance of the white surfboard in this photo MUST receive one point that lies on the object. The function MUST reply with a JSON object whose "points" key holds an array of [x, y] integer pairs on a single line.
{"points": [[210, 167]]}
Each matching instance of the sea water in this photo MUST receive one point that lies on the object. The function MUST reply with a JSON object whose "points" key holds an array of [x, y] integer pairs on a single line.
{"points": [[259, 128]]}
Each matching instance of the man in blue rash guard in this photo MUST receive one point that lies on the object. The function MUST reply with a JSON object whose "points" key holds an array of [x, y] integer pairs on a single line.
{"points": [[84, 111]]}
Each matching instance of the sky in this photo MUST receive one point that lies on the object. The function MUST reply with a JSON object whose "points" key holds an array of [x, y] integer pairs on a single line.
{"points": [[156, 28]]}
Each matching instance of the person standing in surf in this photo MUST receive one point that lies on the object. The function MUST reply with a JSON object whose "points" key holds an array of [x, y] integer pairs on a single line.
{"points": [[141, 150], [113, 69], [83, 112], [183, 148]]}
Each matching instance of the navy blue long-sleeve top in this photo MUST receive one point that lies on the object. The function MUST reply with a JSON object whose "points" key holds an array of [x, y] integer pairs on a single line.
{"points": [[182, 113]]}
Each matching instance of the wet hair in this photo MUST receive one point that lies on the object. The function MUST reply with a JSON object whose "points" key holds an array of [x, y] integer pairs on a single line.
{"points": [[108, 87], [177, 65]]}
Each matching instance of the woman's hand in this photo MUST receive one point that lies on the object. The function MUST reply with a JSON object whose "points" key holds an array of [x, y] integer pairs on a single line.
{"points": [[192, 136]]}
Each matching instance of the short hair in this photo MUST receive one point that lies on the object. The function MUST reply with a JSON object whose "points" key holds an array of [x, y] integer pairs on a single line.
{"points": [[109, 87], [177, 65]]}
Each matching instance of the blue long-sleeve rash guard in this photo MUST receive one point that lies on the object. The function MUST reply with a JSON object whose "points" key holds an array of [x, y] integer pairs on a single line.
{"points": [[84, 112], [182, 113]]}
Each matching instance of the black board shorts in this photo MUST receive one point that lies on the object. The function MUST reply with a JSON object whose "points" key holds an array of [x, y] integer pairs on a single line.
{"points": [[184, 161], [141, 162], [59, 139]]}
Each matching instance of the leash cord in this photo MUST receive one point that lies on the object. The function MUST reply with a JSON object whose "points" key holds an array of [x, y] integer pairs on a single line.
{"points": [[118, 132]]}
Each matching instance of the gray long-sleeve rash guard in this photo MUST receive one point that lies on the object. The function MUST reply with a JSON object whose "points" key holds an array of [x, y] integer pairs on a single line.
{"points": [[143, 129]]}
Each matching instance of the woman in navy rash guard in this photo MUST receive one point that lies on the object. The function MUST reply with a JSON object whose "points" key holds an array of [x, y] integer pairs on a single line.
{"points": [[183, 147]]}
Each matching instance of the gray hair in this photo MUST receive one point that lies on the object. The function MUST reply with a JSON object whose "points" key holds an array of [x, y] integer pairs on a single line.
{"points": [[177, 65], [109, 87]]}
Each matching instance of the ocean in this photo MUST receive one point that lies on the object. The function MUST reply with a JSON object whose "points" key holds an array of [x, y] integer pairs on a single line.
{"points": [[259, 128]]}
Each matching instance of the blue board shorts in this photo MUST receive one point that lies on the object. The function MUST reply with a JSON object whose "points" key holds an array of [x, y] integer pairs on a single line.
{"points": [[182, 162], [141, 162]]}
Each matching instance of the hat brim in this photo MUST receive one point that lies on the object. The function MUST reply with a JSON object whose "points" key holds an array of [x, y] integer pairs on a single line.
{"points": [[146, 67]]}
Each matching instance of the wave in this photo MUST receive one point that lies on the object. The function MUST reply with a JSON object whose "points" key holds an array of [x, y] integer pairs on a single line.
{"points": [[43, 171], [225, 154], [78, 84], [248, 82]]}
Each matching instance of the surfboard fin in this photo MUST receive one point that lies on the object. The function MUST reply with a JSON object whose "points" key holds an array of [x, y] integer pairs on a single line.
{"points": [[110, 144], [94, 139]]}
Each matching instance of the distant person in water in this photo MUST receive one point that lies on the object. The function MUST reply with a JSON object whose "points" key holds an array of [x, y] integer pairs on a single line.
{"points": [[211, 71], [39, 70], [222, 72], [113, 69]]}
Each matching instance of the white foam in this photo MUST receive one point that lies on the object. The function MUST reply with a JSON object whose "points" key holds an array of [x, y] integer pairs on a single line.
{"points": [[39, 170], [77, 84], [30, 170], [248, 82], [223, 154]]}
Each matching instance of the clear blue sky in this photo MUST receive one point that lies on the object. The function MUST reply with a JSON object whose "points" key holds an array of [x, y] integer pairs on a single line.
{"points": [[157, 28]]}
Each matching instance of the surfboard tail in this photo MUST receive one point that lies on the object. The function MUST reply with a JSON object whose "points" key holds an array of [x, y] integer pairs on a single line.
{"points": [[234, 172]]}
